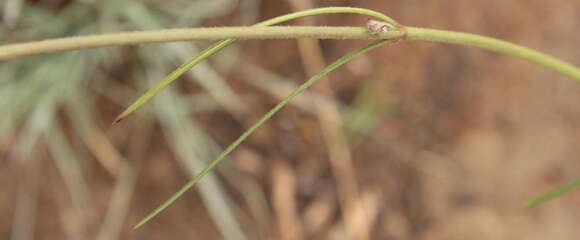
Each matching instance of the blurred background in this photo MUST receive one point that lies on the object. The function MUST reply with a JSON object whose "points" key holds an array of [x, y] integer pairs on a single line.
{"points": [[410, 141]]}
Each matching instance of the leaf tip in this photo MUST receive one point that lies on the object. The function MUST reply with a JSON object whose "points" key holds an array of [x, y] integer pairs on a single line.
{"points": [[138, 225], [529, 204], [118, 119], [145, 219]]}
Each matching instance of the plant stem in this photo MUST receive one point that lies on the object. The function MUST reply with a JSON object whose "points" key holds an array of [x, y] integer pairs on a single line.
{"points": [[495, 45], [173, 35], [262, 32]]}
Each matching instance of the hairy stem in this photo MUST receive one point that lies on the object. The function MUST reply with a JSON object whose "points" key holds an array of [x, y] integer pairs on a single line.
{"points": [[262, 32], [174, 35]]}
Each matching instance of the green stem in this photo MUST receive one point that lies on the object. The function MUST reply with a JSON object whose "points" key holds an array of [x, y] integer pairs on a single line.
{"points": [[256, 125], [327, 10], [174, 35], [495, 45]]}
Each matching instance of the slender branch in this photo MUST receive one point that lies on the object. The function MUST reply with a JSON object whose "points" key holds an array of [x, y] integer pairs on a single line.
{"points": [[173, 35], [495, 45], [13, 51], [260, 32]]}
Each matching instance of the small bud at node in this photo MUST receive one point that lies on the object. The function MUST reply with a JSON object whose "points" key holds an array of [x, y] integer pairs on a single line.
{"points": [[378, 27]]}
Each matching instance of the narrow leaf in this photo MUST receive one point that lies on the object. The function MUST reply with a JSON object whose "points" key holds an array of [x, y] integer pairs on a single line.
{"points": [[172, 77], [256, 125], [554, 193]]}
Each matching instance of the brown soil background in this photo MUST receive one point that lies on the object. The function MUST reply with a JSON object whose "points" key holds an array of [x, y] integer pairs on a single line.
{"points": [[469, 137]]}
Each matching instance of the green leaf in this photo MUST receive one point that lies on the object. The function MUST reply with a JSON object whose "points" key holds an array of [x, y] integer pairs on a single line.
{"points": [[554, 193], [256, 125]]}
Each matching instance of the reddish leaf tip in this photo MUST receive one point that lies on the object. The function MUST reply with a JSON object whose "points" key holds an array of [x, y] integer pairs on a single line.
{"points": [[117, 120]]}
